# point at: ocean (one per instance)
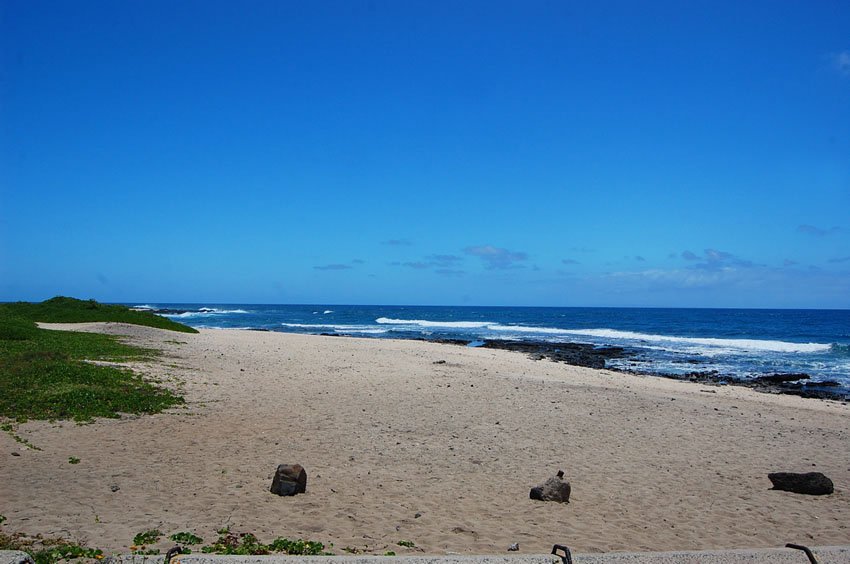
(738, 343)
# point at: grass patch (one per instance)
(45, 374)
(50, 551)
(147, 537)
(71, 310)
(46, 550)
(186, 538)
(10, 429)
(247, 544)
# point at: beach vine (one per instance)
(50, 375)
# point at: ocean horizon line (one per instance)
(143, 303)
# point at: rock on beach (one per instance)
(289, 479)
(809, 483)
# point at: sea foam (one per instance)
(529, 329)
(742, 345)
(336, 327)
(426, 323)
(204, 312)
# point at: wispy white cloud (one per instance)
(443, 264)
(817, 231)
(444, 260)
(679, 277)
(713, 259)
(688, 255)
(495, 257)
(417, 265)
(841, 62)
(757, 286)
(449, 272)
(333, 267)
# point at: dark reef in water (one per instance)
(791, 384)
(166, 311)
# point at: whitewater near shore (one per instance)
(728, 344)
(429, 443)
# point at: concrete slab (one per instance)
(824, 555)
(135, 559)
(14, 557)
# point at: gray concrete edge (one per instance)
(824, 555)
(14, 557)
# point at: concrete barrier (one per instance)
(14, 557)
(824, 555)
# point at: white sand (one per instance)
(386, 434)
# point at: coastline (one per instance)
(578, 354)
(388, 429)
(794, 352)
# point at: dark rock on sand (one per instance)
(289, 479)
(780, 378)
(790, 384)
(553, 489)
(577, 354)
(809, 483)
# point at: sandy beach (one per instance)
(431, 443)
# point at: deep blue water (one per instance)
(735, 342)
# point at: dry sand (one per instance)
(400, 447)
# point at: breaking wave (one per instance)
(431, 324)
(743, 345)
(204, 312)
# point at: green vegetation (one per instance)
(48, 374)
(298, 547)
(186, 538)
(50, 551)
(147, 537)
(73, 460)
(70, 310)
(46, 550)
(247, 544)
(10, 429)
(406, 544)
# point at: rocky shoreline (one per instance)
(590, 356)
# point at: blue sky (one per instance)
(484, 153)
